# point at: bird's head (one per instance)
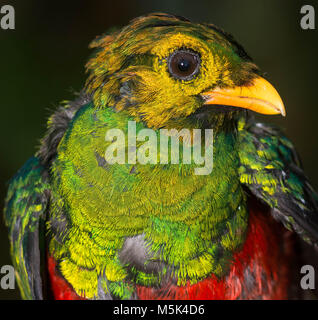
(167, 71)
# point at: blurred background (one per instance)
(42, 63)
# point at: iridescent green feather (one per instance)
(178, 215)
(25, 215)
(270, 168)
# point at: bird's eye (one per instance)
(184, 64)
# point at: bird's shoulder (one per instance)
(272, 171)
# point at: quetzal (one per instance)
(81, 227)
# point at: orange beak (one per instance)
(260, 97)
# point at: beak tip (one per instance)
(281, 108)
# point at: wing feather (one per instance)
(272, 171)
(25, 216)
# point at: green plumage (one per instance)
(180, 214)
(271, 169)
(26, 204)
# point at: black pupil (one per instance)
(184, 64)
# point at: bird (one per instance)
(82, 227)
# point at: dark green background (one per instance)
(42, 63)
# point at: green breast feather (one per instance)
(186, 219)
